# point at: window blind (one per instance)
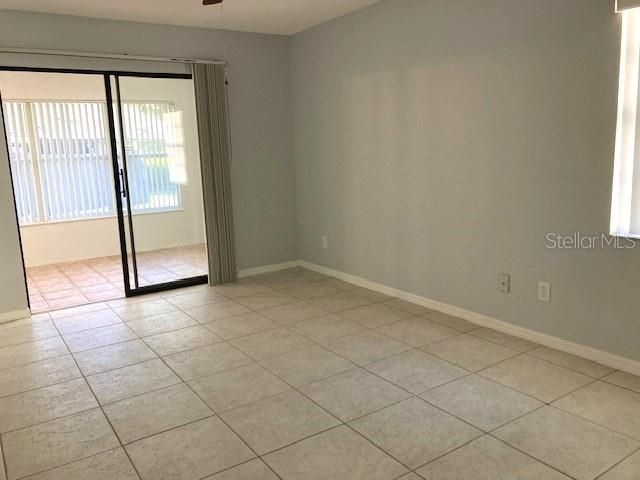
(61, 165)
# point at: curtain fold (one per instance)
(215, 161)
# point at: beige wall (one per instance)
(438, 142)
(68, 241)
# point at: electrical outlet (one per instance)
(504, 282)
(325, 241)
(544, 291)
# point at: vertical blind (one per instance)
(61, 164)
(215, 161)
(18, 139)
(73, 160)
(625, 205)
(147, 140)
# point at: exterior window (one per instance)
(61, 162)
(625, 205)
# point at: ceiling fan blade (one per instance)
(211, 2)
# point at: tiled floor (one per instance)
(297, 376)
(71, 284)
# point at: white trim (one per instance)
(15, 315)
(119, 56)
(247, 272)
(45, 223)
(590, 353)
(605, 358)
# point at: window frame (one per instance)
(625, 192)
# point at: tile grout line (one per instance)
(531, 456)
(324, 347)
(27, 477)
(203, 324)
(113, 430)
(78, 287)
(482, 431)
(364, 367)
(285, 327)
(492, 434)
(448, 413)
(72, 355)
(154, 390)
(33, 362)
(342, 423)
(215, 415)
(479, 373)
(227, 469)
(635, 440)
(3, 457)
(515, 419)
(529, 354)
(614, 466)
(550, 403)
(118, 284)
(415, 396)
(254, 362)
(67, 415)
(160, 432)
(45, 386)
(29, 341)
(459, 447)
(125, 322)
(631, 390)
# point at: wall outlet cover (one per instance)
(544, 291)
(504, 282)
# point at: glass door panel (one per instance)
(62, 176)
(159, 168)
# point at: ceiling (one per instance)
(284, 17)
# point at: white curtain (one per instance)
(625, 206)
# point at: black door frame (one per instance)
(119, 187)
(122, 174)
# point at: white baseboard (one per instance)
(15, 315)
(590, 353)
(267, 268)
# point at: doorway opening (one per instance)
(107, 186)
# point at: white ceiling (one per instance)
(284, 17)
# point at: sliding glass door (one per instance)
(62, 178)
(106, 179)
(158, 167)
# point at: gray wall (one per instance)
(260, 110)
(437, 143)
(13, 296)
